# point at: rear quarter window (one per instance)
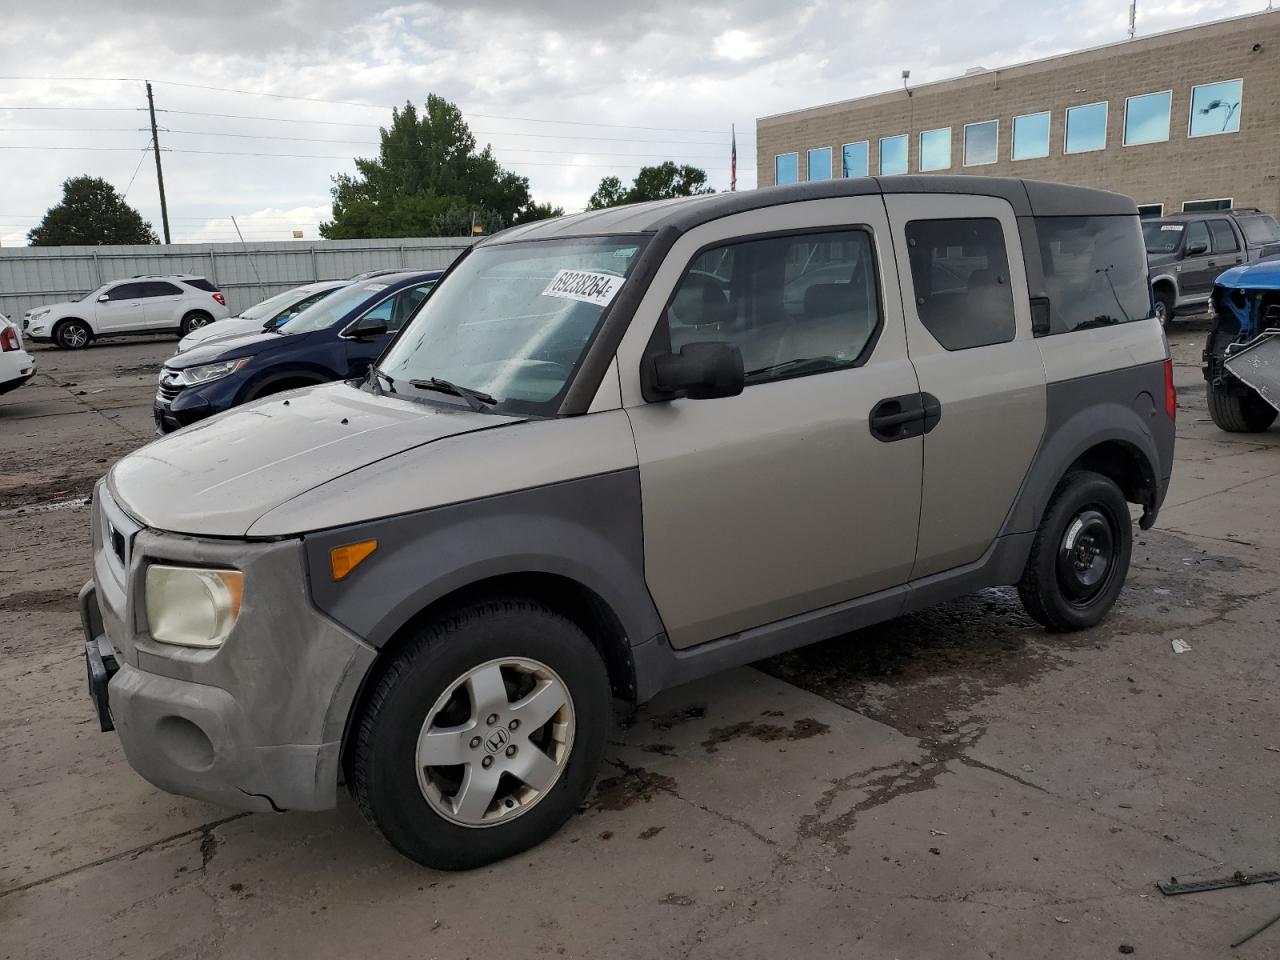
(1261, 229)
(1095, 271)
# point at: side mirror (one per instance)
(1196, 249)
(700, 371)
(103, 298)
(367, 327)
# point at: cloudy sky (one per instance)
(566, 91)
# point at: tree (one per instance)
(428, 180)
(538, 211)
(90, 213)
(661, 182)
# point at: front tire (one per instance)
(72, 335)
(1164, 304)
(194, 321)
(1080, 555)
(482, 735)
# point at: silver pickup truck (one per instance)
(619, 451)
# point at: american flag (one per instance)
(733, 158)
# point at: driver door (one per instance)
(781, 500)
(122, 310)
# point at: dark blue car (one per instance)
(336, 339)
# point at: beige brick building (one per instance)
(1205, 125)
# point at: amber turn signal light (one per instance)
(344, 559)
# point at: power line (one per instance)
(130, 109)
(322, 156)
(6, 146)
(135, 170)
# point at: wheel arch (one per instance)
(290, 378)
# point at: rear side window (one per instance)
(1095, 271)
(200, 283)
(1262, 229)
(793, 305)
(960, 272)
(157, 288)
(1224, 238)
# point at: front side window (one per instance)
(935, 149)
(981, 143)
(1146, 118)
(960, 274)
(893, 155)
(1031, 136)
(126, 291)
(1215, 108)
(855, 159)
(820, 163)
(786, 168)
(514, 320)
(1086, 128)
(398, 307)
(1095, 270)
(792, 305)
(1224, 238)
(1197, 237)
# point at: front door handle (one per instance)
(897, 418)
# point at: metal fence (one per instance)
(245, 273)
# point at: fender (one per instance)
(587, 530)
(297, 371)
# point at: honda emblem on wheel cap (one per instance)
(497, 740)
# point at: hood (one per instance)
(232, 347)
(1259, 275)
(61, 305)
(216, 477)
(232, 326)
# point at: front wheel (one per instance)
(482, 735)
(72, 335)
(1080, 555)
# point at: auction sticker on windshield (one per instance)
(584, 285)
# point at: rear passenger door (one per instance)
(781, 500)
(1225, 247)
(968, 326)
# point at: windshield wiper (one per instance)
(376, 376)
(475, 399)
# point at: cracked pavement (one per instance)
(955, 784)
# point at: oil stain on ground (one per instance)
(764, 732)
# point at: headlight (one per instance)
(192, 607)
(39, 315)
(210, 371)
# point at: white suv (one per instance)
(151, 304)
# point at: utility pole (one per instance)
(155, 144)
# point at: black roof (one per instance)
(1027, 197)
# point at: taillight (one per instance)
(8, 339)
(220, 298)
(1170, 392)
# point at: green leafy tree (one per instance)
(661, 182)
(90, 213)
(539, 211)
(427, 180)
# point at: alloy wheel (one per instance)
(495, 742)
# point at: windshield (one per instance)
(514, 320)
(1262, 229)
(269, 307)
(1162, 237)
(333, 308)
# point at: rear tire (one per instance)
(1238, 412)
(72, 335)
(193, 321)
(1080, 555)
(455, 693)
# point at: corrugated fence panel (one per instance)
(246, 273)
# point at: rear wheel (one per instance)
(1236, 411)
(1080, 556)
(483, 734)
(194, 320)
(72, 335)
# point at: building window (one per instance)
(1151, 211)
(786, 168)
(1199, 206)
(1215, 108)
(820, 163)
(1031, 136)
(855, 159)
(893, 155)
(935, 149)
(981, 143)
(1086, 128)
(1146, 118)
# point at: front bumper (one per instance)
(256, 724)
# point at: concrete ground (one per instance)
(955, 784)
